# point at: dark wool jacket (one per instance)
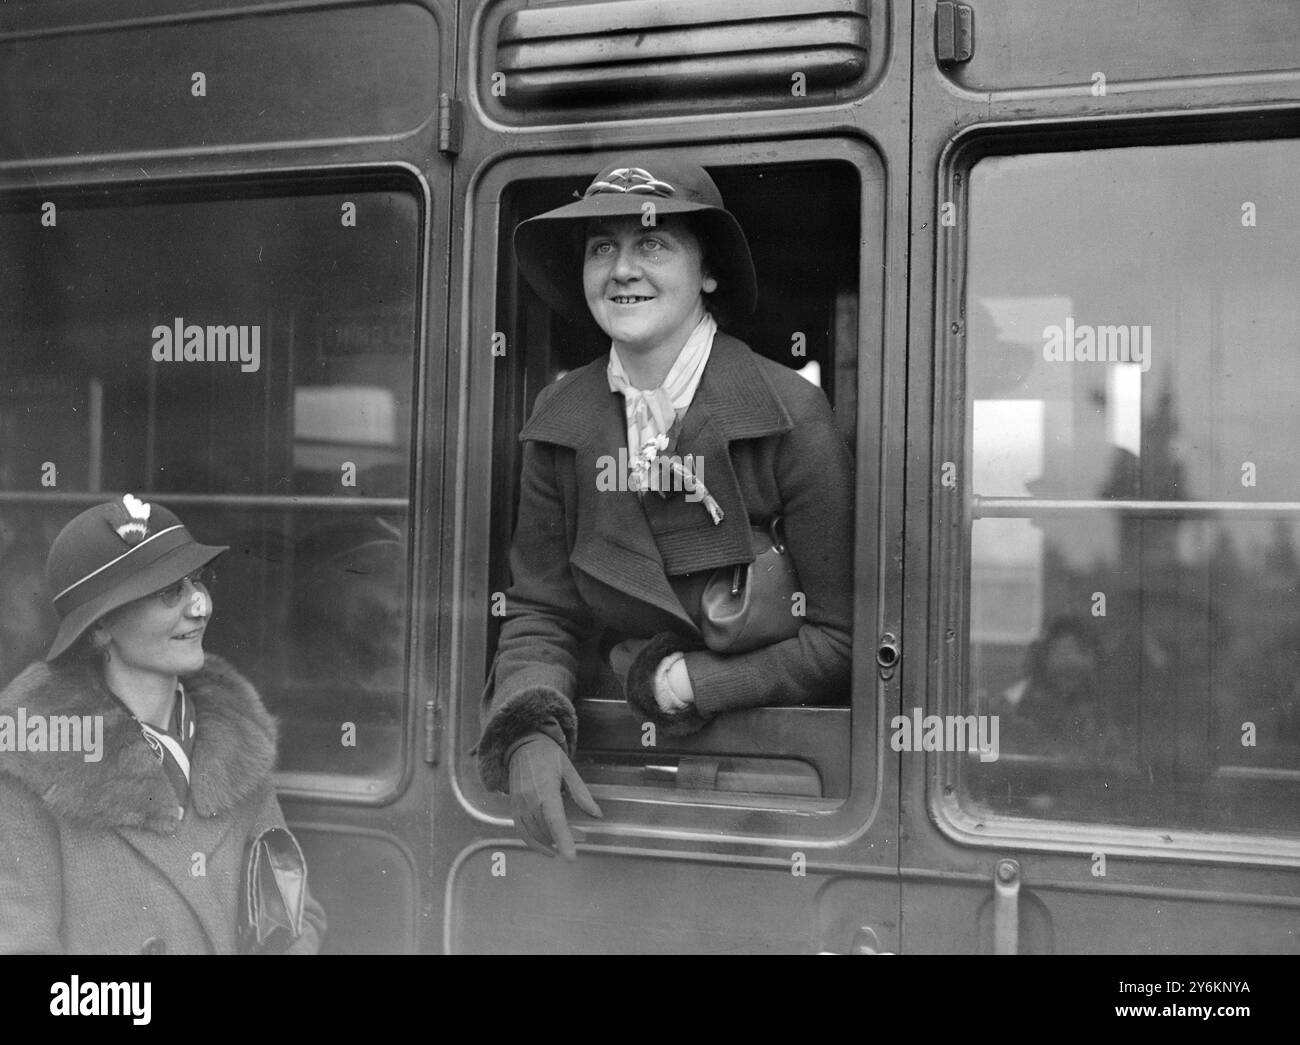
(94, 856)
(585, 561)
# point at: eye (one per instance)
(172, 592)
(599, 247)
(653, 243)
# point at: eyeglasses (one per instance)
(170, 596)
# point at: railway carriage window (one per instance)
(248, 359)
(802, 221)
(1133, 522)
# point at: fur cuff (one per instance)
(639, 686)
(524, 712)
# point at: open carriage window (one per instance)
(1131, 381)
(247, 359)
(803, 222)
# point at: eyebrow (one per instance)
(608, 230)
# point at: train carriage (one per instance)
(255, 264)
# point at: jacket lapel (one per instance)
(614, 543)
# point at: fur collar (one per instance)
(234, 748)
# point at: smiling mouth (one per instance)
(630, 299)
(189, 635)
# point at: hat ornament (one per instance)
(135, 512)
(631, 179)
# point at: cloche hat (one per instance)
(113, 554)
(544, 245)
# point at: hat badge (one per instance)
(132, 516)
(631, 179)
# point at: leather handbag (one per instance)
(275, 891)
(749, 606)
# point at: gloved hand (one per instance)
(539, 768)
(672, 683)
(673, 690)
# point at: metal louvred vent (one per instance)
(616, 51)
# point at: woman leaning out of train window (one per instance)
(651, 479)
(138, 795)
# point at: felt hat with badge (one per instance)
(113, 554)
(549, 255)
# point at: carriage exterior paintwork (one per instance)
(476, 114)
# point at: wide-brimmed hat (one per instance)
(113, 554)
(552, 262)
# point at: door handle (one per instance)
(1006, 907)
(887, 655)
(865, 941)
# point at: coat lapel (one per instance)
(614, 543)
(173, 856)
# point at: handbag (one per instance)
(746, 607)
(275, 890)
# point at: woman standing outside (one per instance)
(144, 845)
(652, 256)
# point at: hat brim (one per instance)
(167, 570)
(544, 250)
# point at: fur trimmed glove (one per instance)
(539, 772)
(652, 671)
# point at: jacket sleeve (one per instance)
(814, 474)
(31, 874)
(313, 915)
(534, 676)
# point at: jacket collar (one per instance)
(234, 748)
(614, 542)
(733, 394)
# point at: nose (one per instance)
(626, 264)
(198, 603)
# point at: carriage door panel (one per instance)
(1099, 748)
(774, 829)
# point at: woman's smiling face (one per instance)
(149, 635)
(644, 285)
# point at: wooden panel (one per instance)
(957, 918)
(292, 77)
(1055, 43)
(615, 904)
(367, 884)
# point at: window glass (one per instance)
(249, 363)
(1134, 614)
(807, 263)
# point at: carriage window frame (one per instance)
(951, 533)
(712, 814)
(366, 788)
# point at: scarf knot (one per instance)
(652, 412)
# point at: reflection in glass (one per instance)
(312, 601)
(1134, 584)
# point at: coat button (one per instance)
(154, 945)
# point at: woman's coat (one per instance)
(585, 560)
(97, 858)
